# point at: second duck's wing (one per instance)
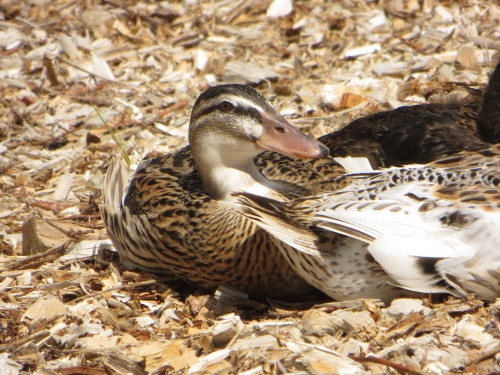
(432, 228)
(340, 266)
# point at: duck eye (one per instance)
(226, 106)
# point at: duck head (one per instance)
(229, 126)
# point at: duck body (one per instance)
(176, 214)
(411, 134)
(166, 223)
(422, 133)
(489, 116)
(432, 228)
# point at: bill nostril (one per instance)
(279, 129)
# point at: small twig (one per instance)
(412, 45)
(29, 23)
(174, 107)
(84, 90)
(37, 259)
(8, 52)
(49, 206)
(133, 285)
(42, 142)
(485, 355)
(74, 95)
(68, 232)
(24, 340)
(119, 6)
(93, 74)
(381, 361)
(92, 101)
(370, 358)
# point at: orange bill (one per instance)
(281, 136)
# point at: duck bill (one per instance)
(281, 136)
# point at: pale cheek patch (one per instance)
(221, 145)
(255, 131)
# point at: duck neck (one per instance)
(228, 169)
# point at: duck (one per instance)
(176, 214)
(422, 133)
(431, 228)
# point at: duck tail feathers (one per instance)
(114, 187)
(479, 275)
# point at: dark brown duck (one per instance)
(421, 133)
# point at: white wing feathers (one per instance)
(403, 238)
(354, 165)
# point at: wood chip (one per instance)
(466, 57)
(44, 310)
(246, 73)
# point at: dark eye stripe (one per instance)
(238, 110)
(249, 112)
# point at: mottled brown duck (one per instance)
(422, 133)
(176, 215)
